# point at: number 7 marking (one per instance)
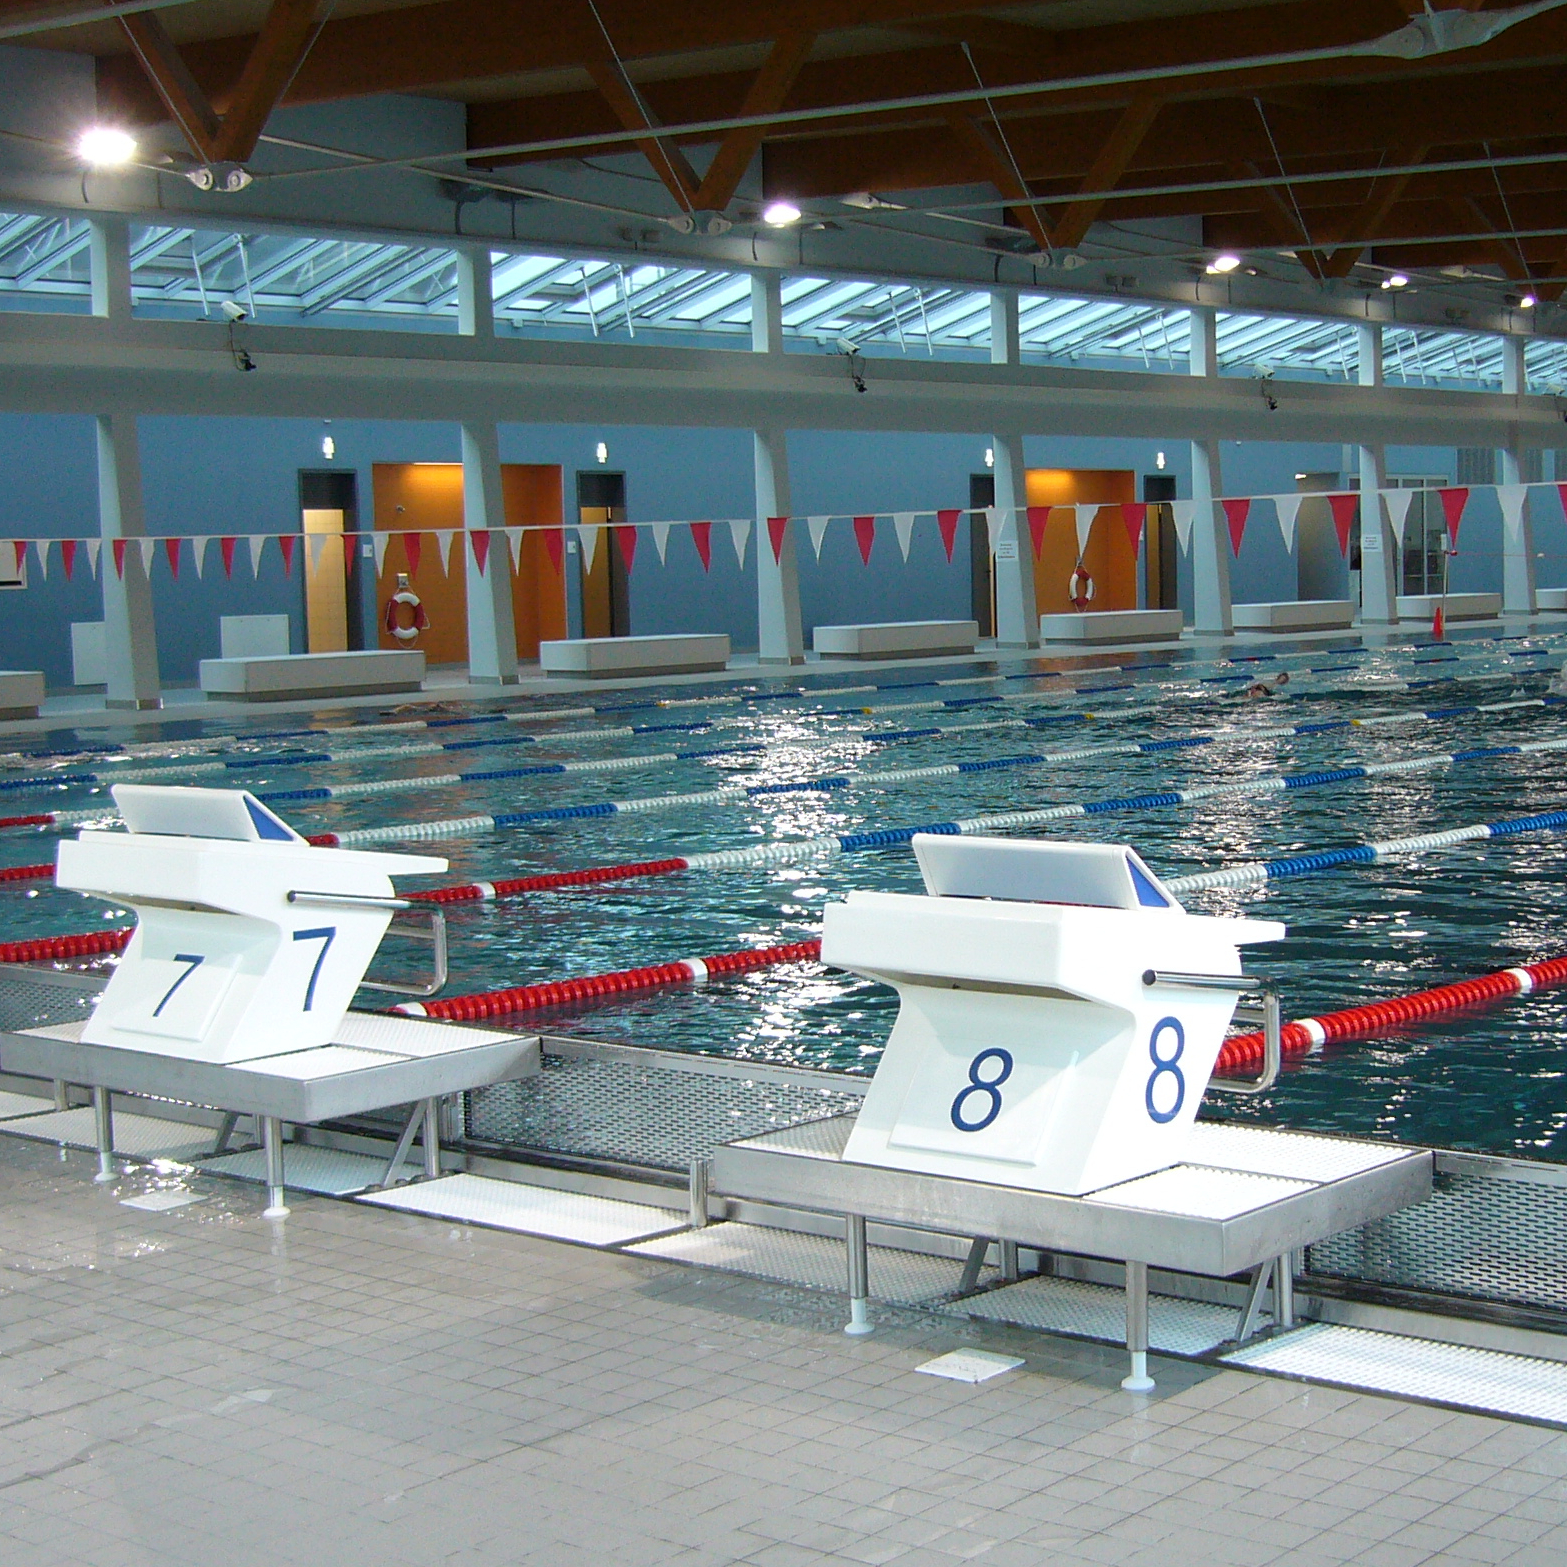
(195, 961)
(325, 934)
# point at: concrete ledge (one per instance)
(275, 678)
(1301, 615)
(21, 692)
(1112, 625)
(599, 658)
(897, 639)
(1550, 598)
(1456, 606)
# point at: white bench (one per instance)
(1112, 625)
(1455, 606)
(1302, 615)
(599, 658)
(1550, 598)
(278, 678)
(21, 690)
(897, 639)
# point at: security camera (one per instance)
(847, 345)
(235, 313)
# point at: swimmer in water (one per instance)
(1261, 689)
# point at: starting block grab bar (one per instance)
(435, 935)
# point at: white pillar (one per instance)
(492, 636)
(780, 634)
(110, 265)
(129, 636)
(1518, 551)
(1017, 614)
(1380, 568)
(1005, 342)
(1210, 538)
(475, 293)
(767, 314)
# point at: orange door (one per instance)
(1109, 559)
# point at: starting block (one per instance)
(249, 942)
(1060, 1014)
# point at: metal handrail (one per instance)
(436, 935)
(1266, 1010)
(1235, 982)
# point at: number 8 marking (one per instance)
(1165, 1066)
(982, 1085)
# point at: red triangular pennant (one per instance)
(626, 537)
(702, 537)
(865, 537)
(171, 548)
(1561, 490)
(1453, 502)
(411, 548)
(777, 531)
(1236, 512)
(555, 546)
(118, 546)
(286, 543)
(1135, 515)
(481, 548)
(1344, 508)
(350, 549)
(226, 550)
(1038, 519)
(947, 522)
(68, 556)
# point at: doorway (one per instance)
(329, 506)
(605, 585)
(1161, 584)
(982, 569)
(1423, 562)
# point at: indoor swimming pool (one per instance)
(825, 760)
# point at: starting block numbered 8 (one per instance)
(249, 942)
(1060, 1013)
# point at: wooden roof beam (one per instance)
(994, 164)
(1113, 160)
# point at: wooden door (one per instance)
(1109, 559)
(326, 585)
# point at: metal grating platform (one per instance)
(897, 1278)
(140, 1136)
(1098, 1311)
(12, 1105)
(1479, 1379)
(329, 1171)
(532, 1210)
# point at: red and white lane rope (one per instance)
(1381, 1017)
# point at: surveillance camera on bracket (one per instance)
(847, 345)
(235, 313)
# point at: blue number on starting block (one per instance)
(1165, 1066)
(989, 1086)
(195, 961)
(324, 934)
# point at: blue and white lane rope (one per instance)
(877, 838)
(729, 794)
(1252, 873)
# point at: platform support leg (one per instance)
(62, 1094)
(225, 1131)
(859, 1322)
(1284, 1291)
(1009, 1270)
(1137, 1328)
(432, 1138)
(701, 1174)
(977, 1251)
(103, 1119)
(272, 1142)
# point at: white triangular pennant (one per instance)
(1084, 513)
(816, 527)
(41, 550)
(740, 533)
(995, 520)
(315, 543)
(661, 540)
(443, 545)
(1512, 498)
(198, 550)
(1288, 508)
(588, 534)
(93, 548)
(1397, 503)
(149, 548)
(514, 544)
(903, 526)
(257, 543)
(379, 542)
(1184, 514)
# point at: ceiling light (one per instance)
(1224, 263)
(1395, 280)
(1527, 302)
(105, 146)
(780, 214)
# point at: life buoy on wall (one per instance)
(1080, 587)
(405, 628)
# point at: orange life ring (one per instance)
(1080, 587)
(406, 631)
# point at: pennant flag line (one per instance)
(171, 548)
(1084, 514)
(777, 532)
(903, 527)
(1512, 498)
(1236, 511)
(257, 542)
(702, 537)
(286, 543)
(94, 546)
(626, 538)
(816, 527)
(1184, 514)
(68, 556)
(41, 550)
(1344, 508)
(740, 533)
(995, 520)
(1038, 521)
(865, 537)
(1287, 509)
(1454, 500)
(947, 525)
(413, 549)
(378, 543)
(588, 537)
(118, 547)
(147, 548)
(479, 543)
(1397, 503)
(661, 541)
(445, 538)
(1134, 514)
(198, 551)
(554, 547)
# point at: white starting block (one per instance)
(1060, 1014)
(248, 943)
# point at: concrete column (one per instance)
(475, 293)
(492, 636)
(1518, 596)
(781, 636)
(1005, 342)
(1380, 566)
(767, 315)
(1017, 614)
(110, 262)
(130, 638)
(1210, 538)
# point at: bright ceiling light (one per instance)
(1527, 302)
(105, 146)
(1224, 263)
(780, 214)
(1395, 280)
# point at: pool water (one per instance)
(1495, 1080)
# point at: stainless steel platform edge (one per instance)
(704, 1065)
(1217, 1247)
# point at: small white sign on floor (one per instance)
(969, 1365)
(161, 1202)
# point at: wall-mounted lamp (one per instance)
(601, 452)
(1158, 461)
(990, 457)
